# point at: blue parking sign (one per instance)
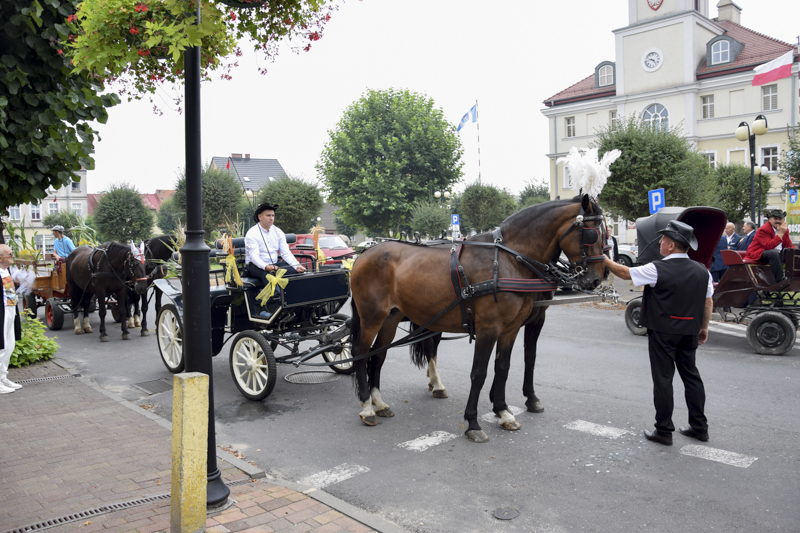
(656, 200)
(454, 219)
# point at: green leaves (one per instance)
(34, 345)
(121, 216)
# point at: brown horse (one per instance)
(394, 281)
(107, 269)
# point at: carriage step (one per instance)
(155, 386)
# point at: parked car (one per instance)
(360, 247)
(627, 254)
(334, 247)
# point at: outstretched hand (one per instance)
(702, 337)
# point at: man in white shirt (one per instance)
(8, 319)
(264, 243)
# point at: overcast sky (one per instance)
(509, 55)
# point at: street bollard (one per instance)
(189, 443)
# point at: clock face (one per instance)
(652, 59)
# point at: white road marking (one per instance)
(737, 330)
(342, 472)
(596, 429)
(513, 409)
(427, 441)
(720, 456)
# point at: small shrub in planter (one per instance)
(34, 346)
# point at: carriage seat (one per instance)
(736, 257)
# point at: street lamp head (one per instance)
(760, 126)
(764, 171)
(437, 194)
(447, 194)
(757, 170)
(743, 132)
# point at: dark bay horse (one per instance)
(394, 281)
(156, 251)
(107, 269)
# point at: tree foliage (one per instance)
(221, 197)
(652, 158)
(732, 191)
(45, 110)
(789, 168)
(485, 206)
(534, 193)
(121, 216)
(62, 218)
(391, 148)
(299, 203)
(429, 217)
(342, 228)
(169, 215)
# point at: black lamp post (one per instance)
(195, 285)
(745, 133)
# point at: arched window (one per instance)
(606, 76)
(657, 116)
(720, 52)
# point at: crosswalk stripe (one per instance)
(720, 456)
(424, 442)
(513, 409)
(338, 474)
(596, 429)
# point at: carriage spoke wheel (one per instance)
(253, 365)
(169, 335)
(332, 357)
(53, 314)
(771, 333)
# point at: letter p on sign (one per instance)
(656, 200)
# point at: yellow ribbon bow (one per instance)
(272, 281)
(230, 261)
(316, 231)
(348, 263)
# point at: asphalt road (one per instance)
(582, 465)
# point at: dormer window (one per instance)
(604, 74)
(720, 52)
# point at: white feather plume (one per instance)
(588, 173)
(26, 279)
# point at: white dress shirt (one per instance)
(262, 247)
(648, 274)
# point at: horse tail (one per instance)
(423, 351)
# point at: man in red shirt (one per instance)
(769, 242)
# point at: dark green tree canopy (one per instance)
(45, 109)
(121, 216)
(789, 168)
(485, 206)
(732, 191)
(169, 215)
(429, 217)
(390, 149)
(652, 158)
(534, 193)
(299, 203)
(222, 197)
(62, 218)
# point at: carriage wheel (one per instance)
(115, 314)
(92, 305)
(169, 335)
(253, 365)
(771, 333)
(53, 314)
(346, 353)
(30, 303)
(633, 317)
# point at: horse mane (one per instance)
(115, 250)
(160, 247)
(535, 212)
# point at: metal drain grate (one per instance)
(155, 386)
(74, 517)
(49, 378)
(312, 377)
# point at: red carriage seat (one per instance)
(736, 257)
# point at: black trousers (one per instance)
(256, 272)
(668, 352)
(775, 260)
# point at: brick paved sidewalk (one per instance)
(71, 450)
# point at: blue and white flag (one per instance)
(466, 118)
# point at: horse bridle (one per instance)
(588, 237)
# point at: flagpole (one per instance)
(478, 129)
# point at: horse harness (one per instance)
(127, 266)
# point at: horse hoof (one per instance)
(440, 394)
(369, 420)
(477, 435)
(430, 386)
(534, 406)
(511, 426)
(145, 333)
(87, 330)
(126, 336)
(104, 338)
(78, 332)
(386, 413)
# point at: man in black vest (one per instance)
(676, 310)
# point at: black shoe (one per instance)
(661, 437)
(691, 432)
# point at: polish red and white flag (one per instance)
(774, 70)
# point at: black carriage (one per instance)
(771, 309)
(306, 310)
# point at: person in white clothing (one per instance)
(9, 319)
(266, 249)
